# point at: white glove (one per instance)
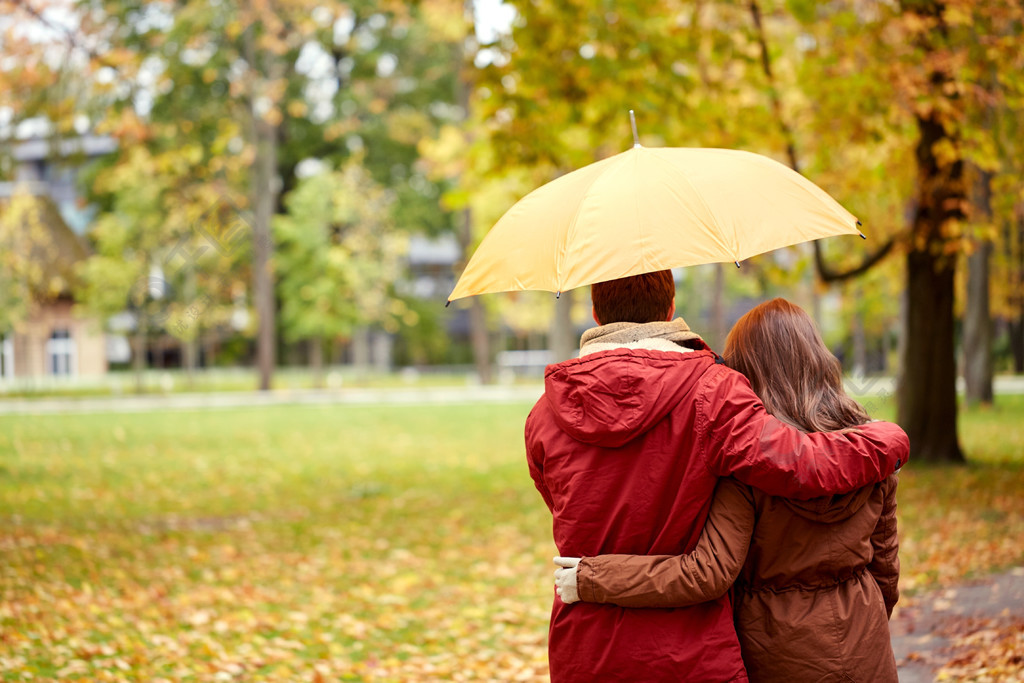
(565, 579)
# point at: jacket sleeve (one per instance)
(678, 580)
(535, 460)
(737, 437)
(885, 565)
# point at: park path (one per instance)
(394, 396)
(241, 399)
(926, 627)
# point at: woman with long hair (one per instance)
(815, 581)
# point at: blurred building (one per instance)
(52, 341)
(430, 277)
(432, 266)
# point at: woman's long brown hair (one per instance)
(778, 348)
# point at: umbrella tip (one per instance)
(737, 263)
(558, 295)
(448, 303)
(862, 235)
(632, 124)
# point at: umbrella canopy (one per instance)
(650, 209)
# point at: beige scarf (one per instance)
(659, 336)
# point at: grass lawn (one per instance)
(352, 543)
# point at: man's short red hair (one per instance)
(643, 298)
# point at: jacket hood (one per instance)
(831, 509)
(611, 397)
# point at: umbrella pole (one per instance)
(632, 124)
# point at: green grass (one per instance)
(957, 522)
(369, 542)
(345, 543)
(988, 434)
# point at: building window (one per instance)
(60, 353)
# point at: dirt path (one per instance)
(972, 631)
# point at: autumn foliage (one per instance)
(366, 543)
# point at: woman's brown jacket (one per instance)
(815, 581)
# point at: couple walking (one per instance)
(734, 518)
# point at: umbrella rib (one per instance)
(639, 223)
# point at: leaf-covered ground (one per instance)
(344, 543)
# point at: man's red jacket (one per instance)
(626, 446)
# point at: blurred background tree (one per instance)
(813, 82)
(337, 259)
(274, 159)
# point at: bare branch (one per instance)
(828, 274)
(825, 272)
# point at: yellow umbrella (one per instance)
(650, 209)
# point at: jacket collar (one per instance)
(656, 336)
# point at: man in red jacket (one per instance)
(626, 446)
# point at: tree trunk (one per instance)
(189, 345)
(479, 336)
(139, 355)
(901, 336)
(563, 333)
(210, 351)
(316, 361)
(189, 358)
(1017, 344)
(717, 340)
(480, 340)
(927, 392)
(816, 311)
(1013, 244)
(361, 350)
(810, 281)
(381, 351)
(859, 341)
(336, 355)
(263, 285)
(926, 403)
(978, 326)
(978, 366)
(265, 188)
